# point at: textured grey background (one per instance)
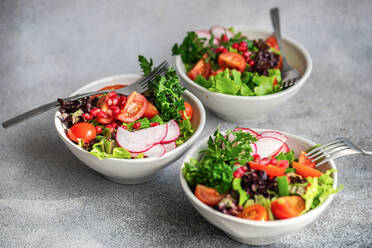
(50, 48)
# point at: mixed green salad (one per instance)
(227, 62)
(256, 176)
(135, 126)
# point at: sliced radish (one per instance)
(170, 146)
(218, 31)
(229, 34)
(283, 149)
(173, 132)
(155, 151)
(275, 135)
(203, 34)
(247, 130)
(254, 148)
(267, 146)
(142, 140)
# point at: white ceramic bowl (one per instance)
(131, 171)
(247, 109)
(255, 232)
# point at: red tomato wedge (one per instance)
(82, 130)
(255, 212)
(187, 111)
(208, 195)
(200, 68)
(271, 41)
(286, 207)
(150, 111)
(232, 60)
(306, 171)
(302, 160)
(134, 108)
(271, 170)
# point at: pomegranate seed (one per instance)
(247, 54)
(273, 161)
(137, 125)
(154, 124)
(110, 127)
(115, 101)
(220, 49)
(102, 114)
(114, 125)
(109, 112)
(242, 48)
(235, 45)
(87, 116)
(123, 100)
(225, 38)
(94, 111)
(251, 63)
(115, 110)
(237, 174)
(243, 43)
(125, 127)
(224, 50)
(264, 161)
(244, 168)
(256, 157)
(112, 94)
(98, 129)
(248, 59)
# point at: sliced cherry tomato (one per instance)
(306, 171)
(187, 111)
(134, 108)
(255, 212)
(302, 160)
(232, 60)
(271, 170)
(102, 104)
(271, 41)
(200, 68)
(208, 195)
(275, 82)
(286, 207)
(82, 130)
(110, 87)
(150, 111)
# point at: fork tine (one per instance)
(321, 147)
(327, 149)
(152, 77)
(330, 154)
(334, 156)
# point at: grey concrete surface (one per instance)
(50, 48)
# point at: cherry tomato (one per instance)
(200, 68)
(150, 111)
(104, 118)
(110, 87)
(271, 170)
(82, 130)
(286, 207)
(306, 171)
(255, 212)
(208, 195)
(187, 111)
(271, 41)
(302, 160)
(232, 60)
(134, 108)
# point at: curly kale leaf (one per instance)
(192, 48)
(146, 65)
(167, 91)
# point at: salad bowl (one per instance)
(250, 231)
(248, 109)
(131, 171)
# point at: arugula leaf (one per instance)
(167, 92)
(146, 65)
(215, 169)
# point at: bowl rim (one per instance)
(274, 223)
(300, 82)
(116, 78)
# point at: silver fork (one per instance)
(139, 86)
(337, 148)
(289, 73)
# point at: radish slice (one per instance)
(218, 31)
(275, 135)
(229, 34)
(247, 130)
(203, 34)
(142, 140)
(173, 132)
(170, 146)
(254, 148)
(155, 151)
(283, 149)
(267, 146)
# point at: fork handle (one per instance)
(29, 114)
(274, 14)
